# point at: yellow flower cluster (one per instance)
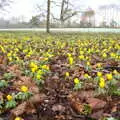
(45, 67)
(39, 74)
(102, 83)
(33, 67)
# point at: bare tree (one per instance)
(66, 11)
(48, 16)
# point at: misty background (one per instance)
(77, 14)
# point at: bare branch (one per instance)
(4, 3)
(68, 17)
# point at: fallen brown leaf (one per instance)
(96, 103)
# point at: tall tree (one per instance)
(48, 16)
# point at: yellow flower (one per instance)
(45, 59)
(67, 74)
(9, 97)
(104, 55)
(85, 49)
(87, 58)
(115, 72)
(18, 118)
(88, 63)
(99, 65)
(102, 79)
(86, 75)
(24, 88)
(33, 67)
(49, 55)
(10, 58)
(32, 64)
(102, 83)
(25, 51)
(81, 57)
(81, 52)
(9, 54)
(14, 54)
(112, 54)
(38, 76)
(76, 81)
(16, 49)
(109, 76)
(99, 74)
(69, 55)
(46, 67)
(89, 50)
(2, 48)
(70, 60)
(29, 54)
(40, 72)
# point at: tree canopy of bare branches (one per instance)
(4, 3)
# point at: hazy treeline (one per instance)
(68, 17)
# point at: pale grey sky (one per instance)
(27, 8)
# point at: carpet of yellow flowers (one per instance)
(59, 76)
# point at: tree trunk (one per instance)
(62, 13)
(48, 17)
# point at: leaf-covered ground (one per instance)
(59, 76)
